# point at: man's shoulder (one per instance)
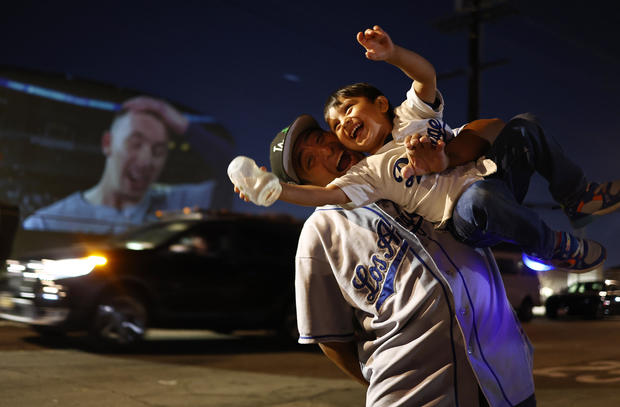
(55, 215)
(65, 205)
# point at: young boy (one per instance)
(478, 202)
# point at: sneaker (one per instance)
(575, 255)
(597, 200)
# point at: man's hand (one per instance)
(424, 156)
(171, 117)
(378, 44)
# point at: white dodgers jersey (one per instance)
(429, 314)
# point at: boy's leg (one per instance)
(490, 210)
(488, 213)
(523, 147)
(524, 136)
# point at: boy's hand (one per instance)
(241, 194)
(424, 156)
(378, 44)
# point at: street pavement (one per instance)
(68, 378)
(576, 364)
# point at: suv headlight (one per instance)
(64, 268)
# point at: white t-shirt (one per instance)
(75, 214)
(429, 315)
(379, 176)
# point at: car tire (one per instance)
(119, 322)
(288, 326)
(525, 311)
(48, 331)
(598, 312)
(551, 311)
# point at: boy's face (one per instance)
(360, 124)
(318, 157)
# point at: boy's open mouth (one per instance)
(344, 162)
(355, 131)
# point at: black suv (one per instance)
(589, 299)
(210, 271)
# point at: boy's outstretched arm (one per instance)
(312, 195)
(379, 47)
(306, 195)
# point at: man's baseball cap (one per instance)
(281, 149)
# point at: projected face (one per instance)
(136, 153)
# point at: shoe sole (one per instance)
(586, 220)
(596, 265)
(581, 271)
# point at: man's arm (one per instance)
(379, 47)
(344, 355)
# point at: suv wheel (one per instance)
(288, 327)
(119, 321)
(551, 311)
(48, 331)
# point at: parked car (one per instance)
(591, 299)
(210, 271)
(521, 282)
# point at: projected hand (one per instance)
(171, 116)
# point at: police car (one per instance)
(203, 270)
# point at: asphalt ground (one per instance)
(577, 363)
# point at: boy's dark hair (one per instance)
(360, 89)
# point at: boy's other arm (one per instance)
(344, 355)
(379, 47)
(473, 141)
(312, 195)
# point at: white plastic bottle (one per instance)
(261, 187)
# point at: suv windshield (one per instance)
(151, 236)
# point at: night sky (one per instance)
(255, 66)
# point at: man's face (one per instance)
(136, 153)
(318, 157)
(360, 124)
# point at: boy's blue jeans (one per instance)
(490, 210)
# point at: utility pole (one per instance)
(469, 15)
(473, 106)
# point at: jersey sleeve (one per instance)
(414, 108)
(323, 315)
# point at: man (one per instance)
(418, 317)
(136, 149)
